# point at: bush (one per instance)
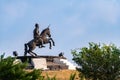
(11, 71)
(98, 62)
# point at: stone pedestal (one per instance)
(47, 62)
(39, 63)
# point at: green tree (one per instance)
(98, 62)
(9, 70)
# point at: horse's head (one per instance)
(45, 32)
(48, 31)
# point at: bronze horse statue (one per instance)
(31, 45)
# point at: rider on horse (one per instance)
(36, 35)
(39, 40)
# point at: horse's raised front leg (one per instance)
(52, 41)
(50, 44)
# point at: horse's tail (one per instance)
(26, 49)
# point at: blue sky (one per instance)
(74, 23)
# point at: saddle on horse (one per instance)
(39, 41)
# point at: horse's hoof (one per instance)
(50, 48)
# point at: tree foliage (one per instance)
(98, 62)
(16, 71)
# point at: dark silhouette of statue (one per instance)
(61, 54)
(36, 35)
(43, 38)
(15, 53)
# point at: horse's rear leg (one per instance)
(32, 53)
(26, 51)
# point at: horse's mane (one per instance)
(43, 31)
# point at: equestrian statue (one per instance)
(39, 39)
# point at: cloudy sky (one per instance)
(74, 23)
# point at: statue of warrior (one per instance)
(36, 35)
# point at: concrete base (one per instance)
(39, 63)
(47, 62)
